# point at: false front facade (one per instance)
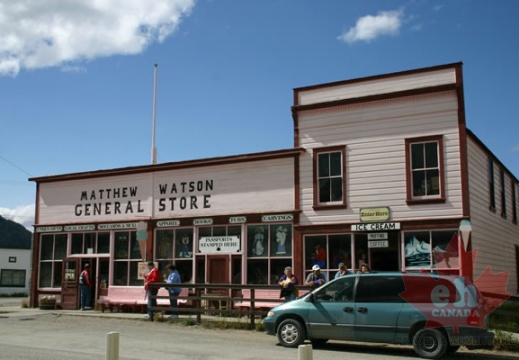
(383, 172)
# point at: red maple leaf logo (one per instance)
(453, 300)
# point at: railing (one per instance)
(202, 296)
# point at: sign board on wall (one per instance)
(219, 244)
(377, 236)
(142, 269)
(171, 194)
(375, 227)
(378, 244)
(70, 274)
(374, 214)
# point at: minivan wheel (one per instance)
(291, 333)
(430, 343)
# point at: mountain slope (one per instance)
(14, 235)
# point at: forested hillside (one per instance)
(14, 235)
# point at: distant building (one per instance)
(383, 171)
(15, 266)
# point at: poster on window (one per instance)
(281, 239)
(417, 251)
(257, 240)
(184, 243)
(445, 249)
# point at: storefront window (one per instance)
(327, 251)
(127, 257)
(445, 249)
(184, 243)
(103, 243)
(315, 252)
(417, 250)
(121, 273)
(90, 243)
(275, 240)
(175, 246)
(431, 249)
(269, 249)
(257, 240)
(339, 250)
(53, 250)
(258, 272)
(46, 274)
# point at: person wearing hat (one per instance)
(315, 278)
(342, 270)
(85, 287)
(152, 277)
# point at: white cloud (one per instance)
(370, 27)
(22, 215)
(38, 34)
(515, 148)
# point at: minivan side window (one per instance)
(380, 289)
(340, 290)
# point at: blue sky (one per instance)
(76, 82)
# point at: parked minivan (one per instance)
(434, 313)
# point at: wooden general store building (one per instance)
(383, 170)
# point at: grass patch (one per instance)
(24, 304)
(189, 321)
(225, 325)
(505, 341)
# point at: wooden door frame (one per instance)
(70, 283)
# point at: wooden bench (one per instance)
(264, 300)
(121, 298)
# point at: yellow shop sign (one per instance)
(374, 214)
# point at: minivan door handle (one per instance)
(362, 310)
(348, 309)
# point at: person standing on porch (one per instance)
(287, 281)
(85, 286)
(152, 277)
(173, 278)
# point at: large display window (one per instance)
(53, 249)
(127, 256)
(269, 250)
(327, 251)
(90, 243)
(431, 250)
(175, 246)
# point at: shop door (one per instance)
(218, 273)
(70, 284)
(385, 257)
(218, 269)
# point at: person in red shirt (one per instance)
(85, 287)
(152, 277)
